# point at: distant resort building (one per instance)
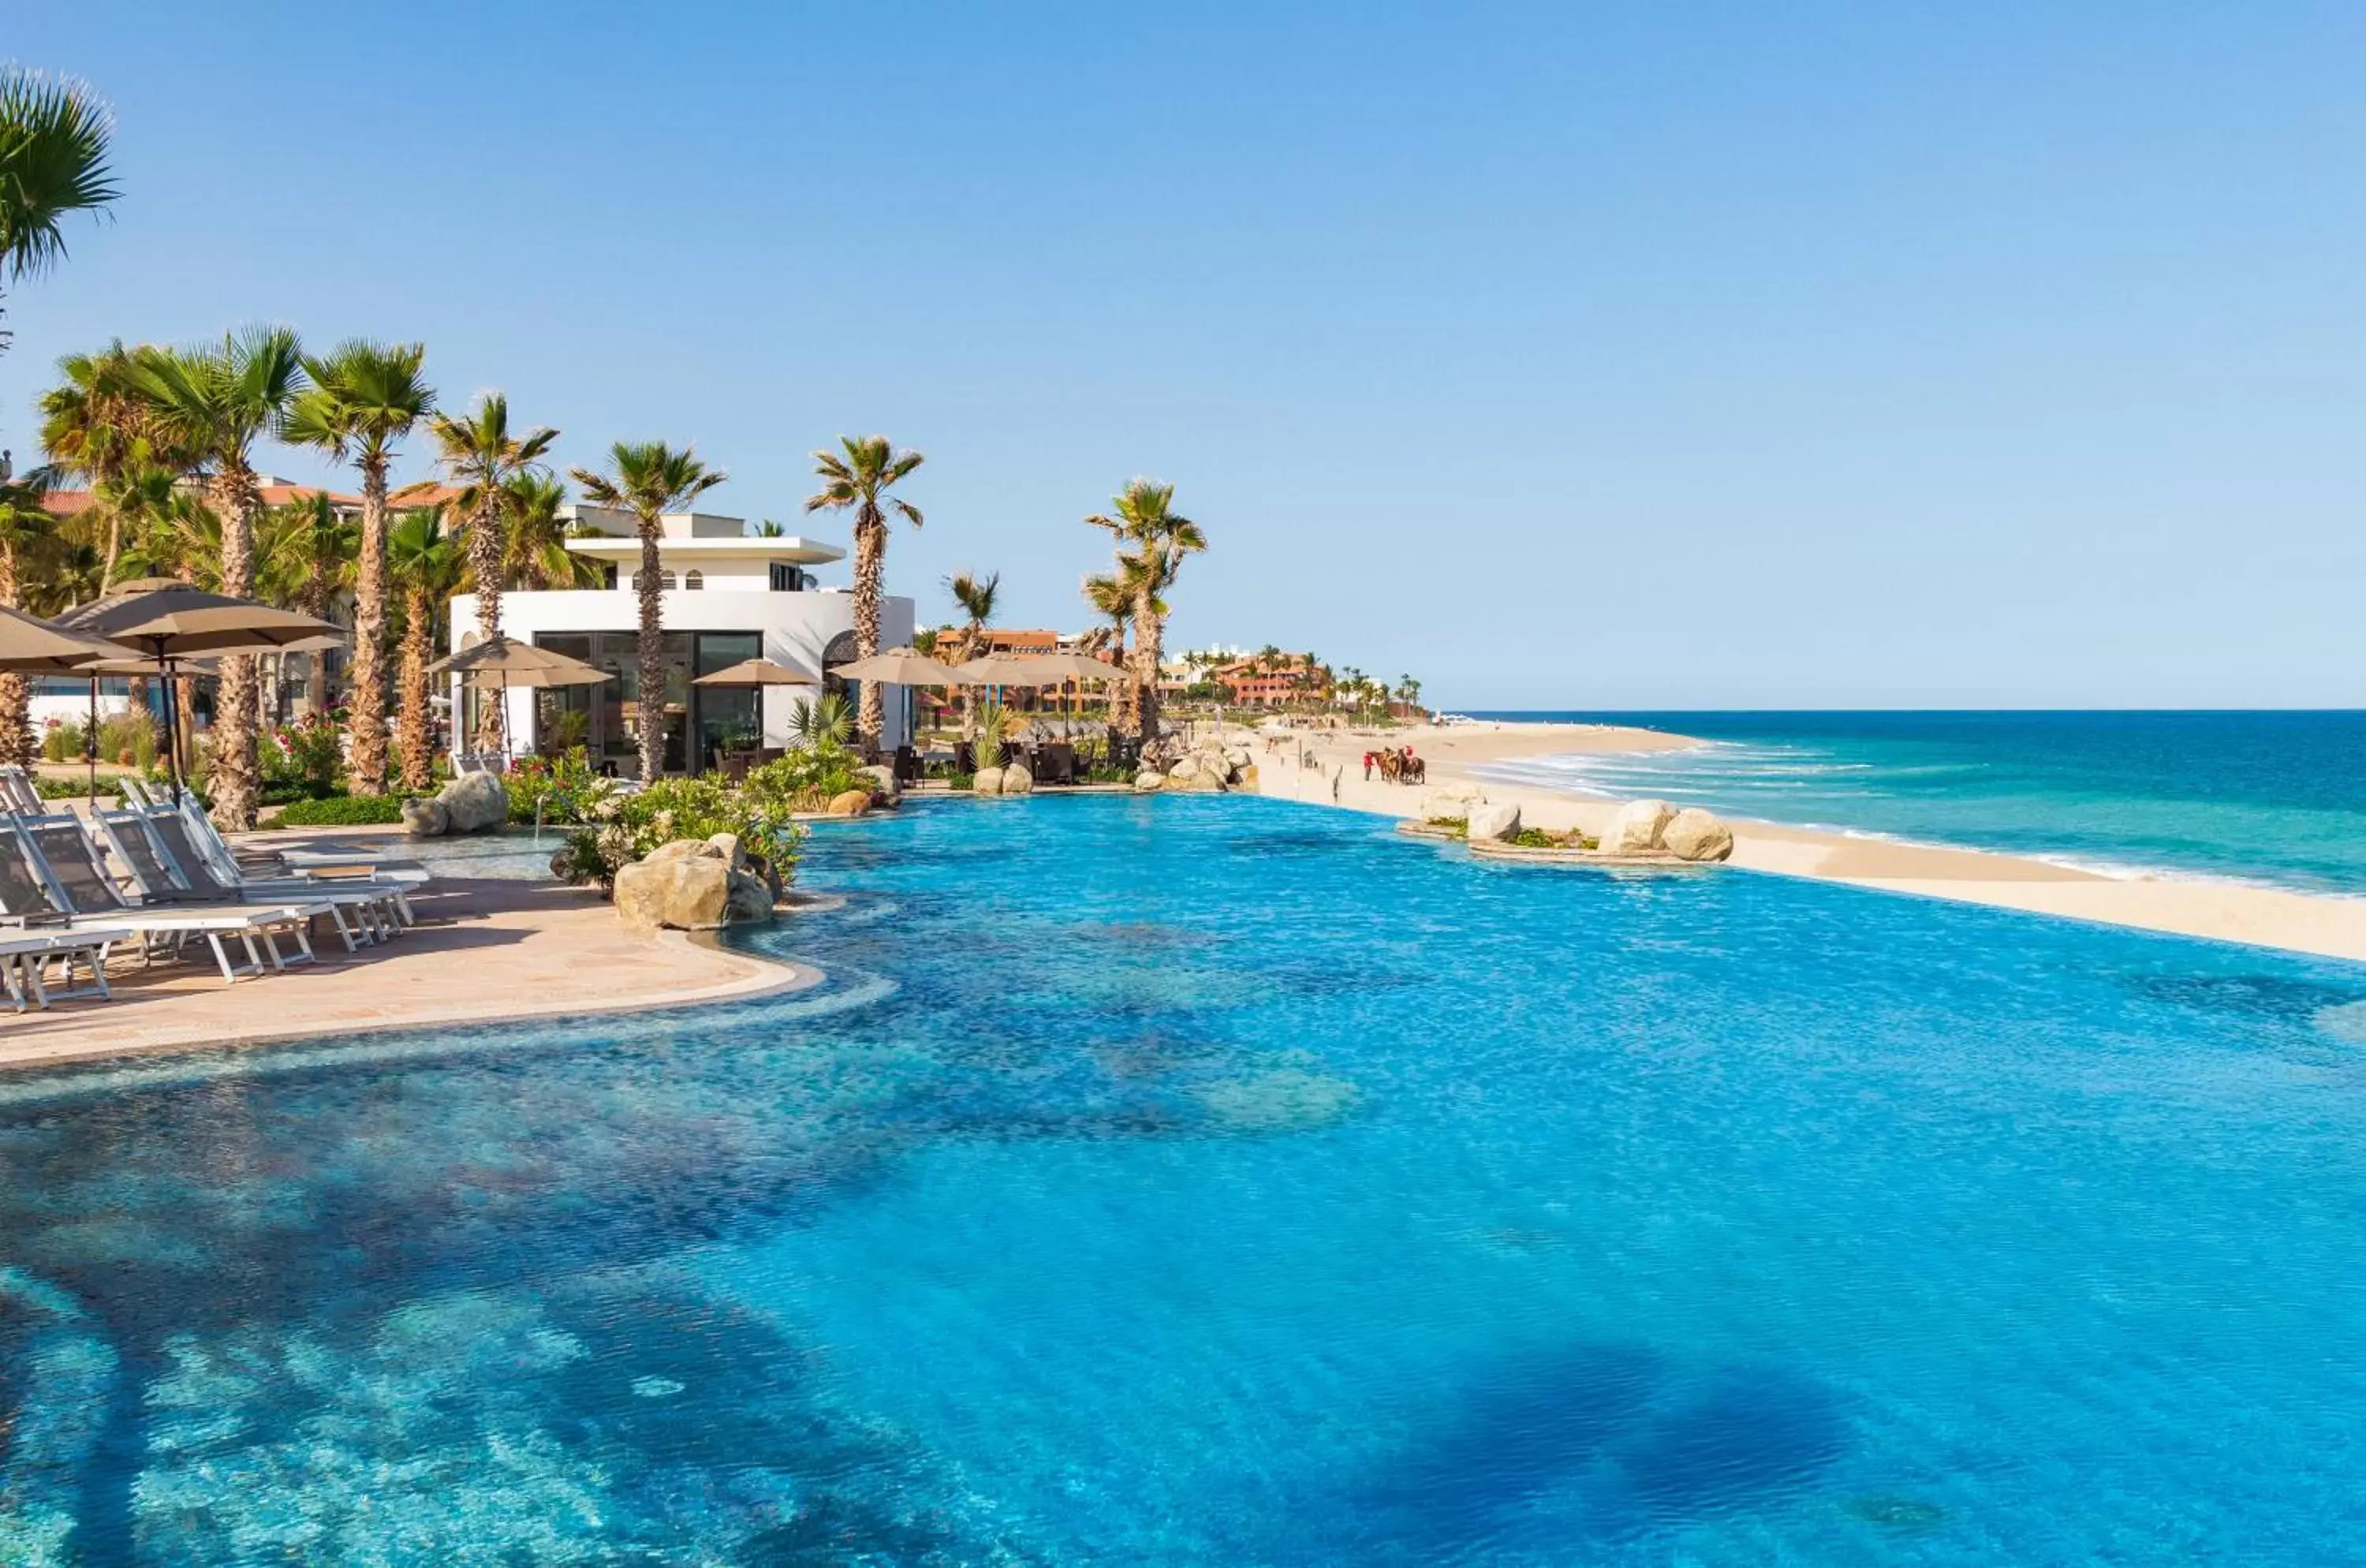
(729, 597)
(1252, 684)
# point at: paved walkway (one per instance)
(483, 950)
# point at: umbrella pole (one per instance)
(90, 746)
(172, 724)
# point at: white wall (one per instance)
(795, 628)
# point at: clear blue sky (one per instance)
(1599, 355)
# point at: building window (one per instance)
(787, 578)
(693, 579)
(608, 575)
(665, 581)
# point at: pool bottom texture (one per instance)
(1217, 1180)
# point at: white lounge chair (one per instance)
(167, 870)
(73, 894)
(24, 960)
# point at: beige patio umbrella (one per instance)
(171, 621)
(30, 645)
(898, 666)
(757, 672)
(498, 663)
(1037, 670)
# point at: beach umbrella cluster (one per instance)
(174, 624)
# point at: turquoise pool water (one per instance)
(1225, 1181)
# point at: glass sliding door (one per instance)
(728, 717)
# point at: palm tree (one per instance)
(648, 480)
(1154, 539)
(975, 595)
(215, 402)
(534, 546)
(365, 397)
(54, 147)
(482, 457)
(1113, 595)
(26, 527)
(861, 479)
(426, 567)
(95, 425)
(312, 553)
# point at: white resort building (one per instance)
(729, 595)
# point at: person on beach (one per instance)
(1369, 757)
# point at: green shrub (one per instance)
(806, 778)
(960, 781)
(620, 828)
(1458, 826)
(1535, 839)
(72, 788)
(342, 810)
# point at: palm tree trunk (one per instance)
(114, 550)
(652, 652)
(236, 768)
(485, 559)
(1147, 644)
(17, 747)
(418, 756)
(365, 767)
(870, 577)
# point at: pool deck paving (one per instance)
(485, 950)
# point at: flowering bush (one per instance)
(303, 759)
(561, 789)
(618, 828)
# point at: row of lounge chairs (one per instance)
(172, 880)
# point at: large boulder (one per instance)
(1017, 780)
(1636, 828)
(474, 803)
(1452, 800)
(728, 845)
(1694, 834)
(883, 782)
(1150, 780)
(1499, 820)
(686, 892)
(987, 781)
(425, 818)
(1185, 768)
(750, 897)
(1199, 780)
(852, 803)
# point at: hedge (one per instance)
(342, 811)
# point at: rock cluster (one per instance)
(693, 885)
(473, 803)
(1646, 827)
(1012, 780)
(1207, 769)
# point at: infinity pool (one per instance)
(1223, 1181)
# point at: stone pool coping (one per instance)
(487, 950)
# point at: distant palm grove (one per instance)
(163, 444)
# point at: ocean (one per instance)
(2276, 796)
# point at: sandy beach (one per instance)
(2226, 912)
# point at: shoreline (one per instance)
(2325, 925)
